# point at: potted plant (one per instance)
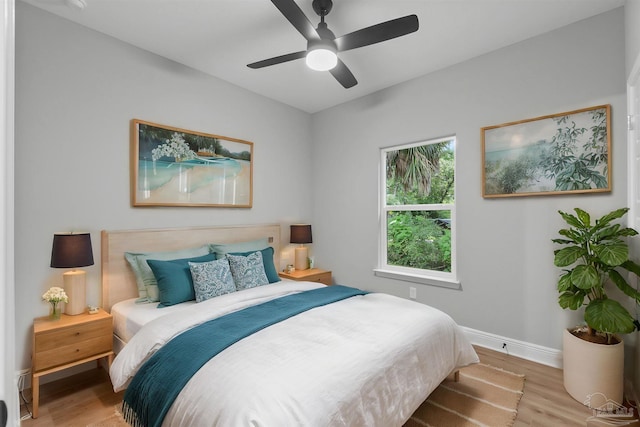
(594, 255)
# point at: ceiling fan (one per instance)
(322, 44)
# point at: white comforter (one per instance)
(365, 361)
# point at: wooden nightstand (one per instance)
(310, 275)
(70, 341)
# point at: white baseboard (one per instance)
(536, 353)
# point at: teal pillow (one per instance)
(247, 271)
(211, 279)
(146, 281)
(267, 261)
(175, 283)
(250, 246)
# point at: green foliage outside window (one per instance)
(417, 240)
(420, 175)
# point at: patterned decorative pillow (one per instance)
(211, 279)
(267, 261)
(247, 271)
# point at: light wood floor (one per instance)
(87, 397)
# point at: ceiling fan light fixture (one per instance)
(322, 58)
(322, 44)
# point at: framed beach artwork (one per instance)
(557, 154)
(178, 167)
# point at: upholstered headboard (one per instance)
(118, 281)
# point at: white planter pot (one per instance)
(593, 373)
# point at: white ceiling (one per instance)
(220, 37)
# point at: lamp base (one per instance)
(302, 256)
(74, 286)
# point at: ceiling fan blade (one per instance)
(378, 33)
(296, 16)
(278, 59)
(343, 75)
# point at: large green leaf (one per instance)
(631, 266)
(607, 232)
(618, 213)
(571, 300)
(585, 277)
(574, 235)
(612, 254)
(564, 283)
(571, 220)
(584, 217)
(563, 241)
(607, 315)
(627, 232)
(569, 255)
(623, 285)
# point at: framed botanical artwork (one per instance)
(557, 154)
(178, 167)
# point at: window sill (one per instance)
(425, 280)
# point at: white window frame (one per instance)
(416, 275)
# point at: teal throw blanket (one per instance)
(157, 384)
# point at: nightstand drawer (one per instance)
(320, 278)
(72, 335)
(64, 354)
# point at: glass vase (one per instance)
(56, 311)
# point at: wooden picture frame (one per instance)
(563, 153)
(177, 167)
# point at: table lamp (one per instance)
(301, 233)
(72, 250)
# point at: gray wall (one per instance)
(632, 33)
(505, 253)
(76, 92)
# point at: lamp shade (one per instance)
(301, 233)
(71, 250)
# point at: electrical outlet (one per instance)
(412, 293)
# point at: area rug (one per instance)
(484, 396)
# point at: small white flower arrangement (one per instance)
(55, 295)
(175, 147)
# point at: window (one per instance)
(417, 206)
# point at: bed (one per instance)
(350, 358)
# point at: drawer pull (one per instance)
(77, 333)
